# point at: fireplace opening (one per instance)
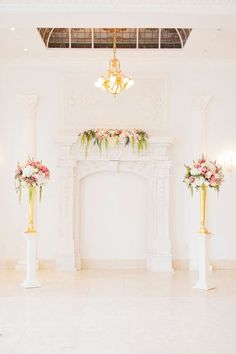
(113, 220)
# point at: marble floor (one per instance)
(117, 312)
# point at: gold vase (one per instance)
(203, 197)
(31, 226)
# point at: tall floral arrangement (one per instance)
(203, 172)
(106, 137)
(31, 174)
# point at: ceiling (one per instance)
(118, 13)
(213, 24)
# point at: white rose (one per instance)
(194, 171)
(208, 174)
(201, 181)
(28, 171)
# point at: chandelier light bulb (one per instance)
(130, 83)
(99, 82)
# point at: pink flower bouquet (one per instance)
(203, 172)
(31, 174)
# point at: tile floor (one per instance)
(117, 312)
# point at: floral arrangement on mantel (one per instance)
(31, 174)
(105, 137)
(203, 172)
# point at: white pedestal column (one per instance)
(31, 262)
(203, 263)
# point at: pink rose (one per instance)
(191, 179)
(213, 179)
(44, 169)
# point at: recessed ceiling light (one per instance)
(12, 28)
(25, 49)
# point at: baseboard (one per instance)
(47, 264)
(10, 264)
(224, 264)
(178, 264)
(7, 264)
(113, 263)
(216, 264)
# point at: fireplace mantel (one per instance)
(153, 164)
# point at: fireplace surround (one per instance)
(153, 164)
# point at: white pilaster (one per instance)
(199, 139)
(200, 106)
(28, 105)
(159, 257)
(66, 253)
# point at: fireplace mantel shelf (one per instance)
(157, 150)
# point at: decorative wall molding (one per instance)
(86, 107)
(153, 165)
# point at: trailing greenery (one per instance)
(106, 137)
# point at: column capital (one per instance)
(200, 103)
(29, 104)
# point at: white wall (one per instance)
(47, 79)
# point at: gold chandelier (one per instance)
(116, 82)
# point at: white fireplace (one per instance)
(153, 165)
